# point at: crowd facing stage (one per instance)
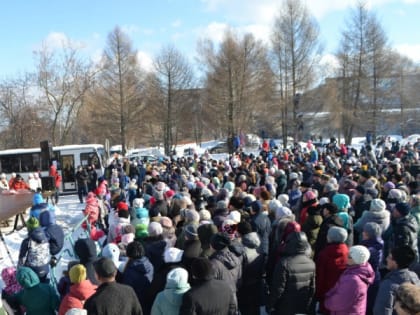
(298, 231)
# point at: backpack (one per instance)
(38, 254)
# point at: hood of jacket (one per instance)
(363, 271)
(296, 243)
(142, 265)
(26, 277)
(174, 295)
(85, 249)
(83, 290)
(251, 240)
(227, 258)
(402, 275)
(38, 235)
(47, 218)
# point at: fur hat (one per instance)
(336, 234)
(154, 229)
(377, 205)
(408, 295)
(205, 215)
(359, 254)
(220, 240)
(77, 273)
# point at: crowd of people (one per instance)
(299, 231)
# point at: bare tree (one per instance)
(238, 82)
(364, 58)
(295, 48)
(119, 88)
(173, 80)
(64, 79)
(22, 124)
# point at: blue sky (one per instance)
(26, 25)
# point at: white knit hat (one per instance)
(359, 254)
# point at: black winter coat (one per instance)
(209, 297)
(293, 284)
(112, 298)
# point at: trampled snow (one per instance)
(69, 212)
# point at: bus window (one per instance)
(10, 163)
(29, 162)
(90, 158)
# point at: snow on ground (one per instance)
(68, 214)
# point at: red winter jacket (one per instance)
(330, 264)
(79, 293)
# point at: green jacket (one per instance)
(38, 298)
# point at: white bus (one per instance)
(67, 158)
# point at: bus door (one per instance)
(68, 173)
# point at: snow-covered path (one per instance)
(68, 214)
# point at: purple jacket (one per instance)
(349, 295)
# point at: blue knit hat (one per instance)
(342, 201)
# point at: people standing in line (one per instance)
(81, 179)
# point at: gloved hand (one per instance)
(53, 261)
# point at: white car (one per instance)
(410, 139)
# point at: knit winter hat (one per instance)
(154, 229)
(372, 229)
(373, 192)
(403, 208)
(191, 230)
(192, 216)
(284, 199)
(342, 201)
(359, 254)
(256, 206)
(172, 255)
(389, 185)
(166, 222)
(111, 251)
(141, 230)
(377, 205)
(235, 216)
(32, 224)
(77, 273)
(273, 205)
(310, 195)
(122, 206)
(361, 189)
(323, 201)
(395, 194)
(336, 234)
